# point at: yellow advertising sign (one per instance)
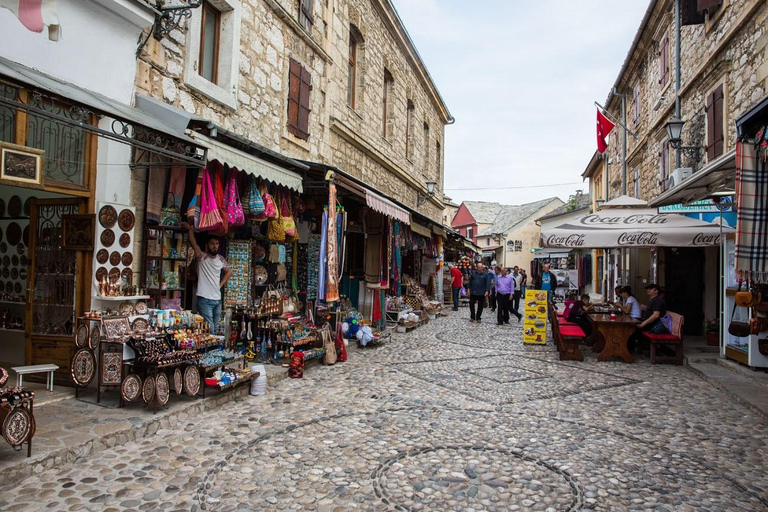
(535, 317)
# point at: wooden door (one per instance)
(53, 296)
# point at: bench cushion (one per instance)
(670, 338)
(566, 323)
(572, 331)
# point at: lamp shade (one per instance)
(675, 129)
(431, 187)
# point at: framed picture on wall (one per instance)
(21, 166)
(78, 231)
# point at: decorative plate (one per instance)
(83, 367)
(125, 240)
(116, 327)
(95, 338)
(3, 247)
(6, 261)
(126, 220)
(24, 260)
(148, 390)
(162, 388)
(20, 248)
(17, 288)
(15, 261)
(177, 381)
(111, 368)
(81, 337)
(13, 233)
(9, 286)
(101, 273)
(4, 376)
(126, 308)
(2, 289)
(114, 258)
(131, 387)
(107, 216)
(191, 380)
(23, 273)
(260, 275)
(17, 426)
(28, 205)
(141, 308)
(140, 324)
(259, 252)
(102, 256)
(6, 272)
(127, 274)
(2, 208)
(14, 206)
(127, 259)
(114, 275)
(25, 236)
(107, 238)
(1, 234)
(14, 273)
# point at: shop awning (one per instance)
(386, 207)
(472, 247)
(421, 230)
(551, 254)
(249, 163)
(439, 231)
(633, 227)
(128, 118)
(713, 177)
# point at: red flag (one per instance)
(604, 127)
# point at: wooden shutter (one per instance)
(637, 104)
(710, 110)
(294, 90)
(690, 13)
(664, 60)
(708, 5)
(664, 165)
(306, 13)
(304, 110)
(717, 113)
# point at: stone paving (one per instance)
(452, 416)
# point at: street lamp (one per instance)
(675, 134)
(431, 185)
(600, 202)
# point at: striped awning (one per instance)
(386, 207)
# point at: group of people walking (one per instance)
(499, 288)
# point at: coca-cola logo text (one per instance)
(637, 219)
(644, 238)
(566, 241)
(702, 239)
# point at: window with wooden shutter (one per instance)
(352, 69)
(299, 87)
(664, 165)
(409, 130)
(306, 14)
(386, 106)
(715, 123)
(426, 149)
(664, 61)
(209, 42)
(438, 163)
(637, 104)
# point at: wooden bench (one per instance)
(37, 368)
(675, 339)
(568, 337)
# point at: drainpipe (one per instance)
(677, 74)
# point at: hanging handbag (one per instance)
(289, 225)
(738, 328)
(217, 182)
(275, 231)
(282, 273)
(747, 299)
(210, 219)
(255, 202)
(170, 215)
(193, 210)
(235, 215)
(329, 344)
(270, 210)
(274, 253)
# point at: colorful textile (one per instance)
(752, 215)
(323, 258)
(313, 265)
(332, 292)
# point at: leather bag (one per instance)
(747, 299)
(738, 328)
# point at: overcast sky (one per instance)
(520, 78)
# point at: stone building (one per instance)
(338, 82)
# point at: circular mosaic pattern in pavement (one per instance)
(463, 477)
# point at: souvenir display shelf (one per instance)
(165, 264)
(17, 401)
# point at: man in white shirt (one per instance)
(210, 281)
(518, 277)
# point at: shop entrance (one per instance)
(684, 286)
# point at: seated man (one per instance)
(656, 310)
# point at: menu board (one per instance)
(535, 317)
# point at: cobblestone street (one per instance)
(453, 416)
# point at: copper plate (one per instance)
(126, 308)
(125, 240)
(177, 381)
(111, 368)
(14, 207)
(126, 220)
(3, 247)
(3, 376)
(127, 259)
(102, 256)
(131, 387)
(23, 273)
(101, 273)
(141, 308)
(114, 275)
(9, 286)
(24, 260)
(28, 205)
(95, 338)
(17, 426)
(81, 337)
(20, 249)
(13, 234)
(17, 288)
(162, 388)
(114, 258)
(15, 260)
(140, 324)
(127, 274)
(107, 216)
(2, 208)
(14, 273)
(83, 367)
(25, 236)
(107, 238)
(6, 272)
(191, 380)
(1, 234)
(148, 390)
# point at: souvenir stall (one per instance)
(563, 264)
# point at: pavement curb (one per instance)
(716, 383)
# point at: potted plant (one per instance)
(712, 331)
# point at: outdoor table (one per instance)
(615, 334)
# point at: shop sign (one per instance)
(703, 206)
(535, 317)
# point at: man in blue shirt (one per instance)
(546, 281)
(479, 286)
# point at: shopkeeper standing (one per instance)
(210, 280)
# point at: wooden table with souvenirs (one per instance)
(611, 332)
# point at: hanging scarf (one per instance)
(323, 262)
(751, 214)
(332, 292)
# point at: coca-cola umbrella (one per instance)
(633, 227)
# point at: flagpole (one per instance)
(614, 120)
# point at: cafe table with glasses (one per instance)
(611, 330)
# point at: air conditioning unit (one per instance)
(679, 175)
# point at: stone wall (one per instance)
(729, 49)
(348, 139)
